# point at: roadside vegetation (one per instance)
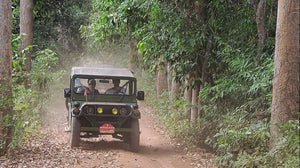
(240, 137)
(30, 104)
(33, 90)
(205, 66)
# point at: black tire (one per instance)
(75, 132)
(134, 137)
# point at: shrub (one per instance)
(29, 103)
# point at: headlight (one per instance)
(136, 112)
(115, 111)
(124, 111)
(76, 111)
(91, 110)
(100, 110)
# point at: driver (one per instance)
(115, 89)
(91, 87)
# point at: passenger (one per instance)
(116, 88)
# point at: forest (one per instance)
(221, 75)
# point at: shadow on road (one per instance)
(104, 145)
(97, 144)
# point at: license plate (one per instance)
(107, 129)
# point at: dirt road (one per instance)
(157, 150)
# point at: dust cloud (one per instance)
(55, 112)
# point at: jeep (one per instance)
(103, 101)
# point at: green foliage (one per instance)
(29, 104)
(241, 138)
(286, 152)
(163, 33)
(241, 90)
(170, 113)
(43, 66)
(15, 18)
(147, 84)
(242, 81)
(19, 58)
(6, 125)
(19, 73)
(114, 21)
(173, 37)
(56, 23)
(249, 139)
(26, 117)
(238, 89)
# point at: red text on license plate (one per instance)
(107, 128)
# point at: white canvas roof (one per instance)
(109, 71)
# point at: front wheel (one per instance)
(134, 137)
(75, 132)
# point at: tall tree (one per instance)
(260, 8)
(175, 90)
(133, 56)
(194, 110)
(201, 18)
(188, 97)
(195, 95)
(173, 85)
(170, 75)
(203, 73)
(26, 27)
(285, 102)
(161, 80)
(6, 109)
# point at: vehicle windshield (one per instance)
(104, 86)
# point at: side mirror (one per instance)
(67, 92)
(140, 95)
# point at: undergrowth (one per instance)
(171, 113)
(238, 132)
(30, 98)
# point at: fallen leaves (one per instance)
(53, 150)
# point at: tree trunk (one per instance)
(195, 95)
(169, 79)
(188, 97)
(6, 108)
(203, 78)
(175, 90)
(133, 56)
(261, 28)
(194, 110)
(200, 7)
(173, 86)
(285, 102)
(26, 27)
(161, 80)
(204, 74)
